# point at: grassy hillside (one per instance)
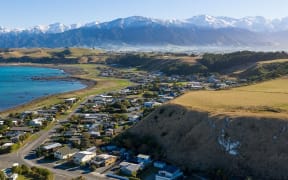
(194, 141)
(265, 70)
(46, 55)
(229, 132)
(267, 98)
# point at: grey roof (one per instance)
(26, 129)
(171, 169)
(52, 146)
(67, 150)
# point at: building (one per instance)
(51, 147)
(169, 173)
(22, 129)
(159, 164)
(144, 159)
(109, 132)
(65, 152)
(151, 104)
(83, 157)
(70, 100)
(129, 169)
(37, 122)
(103, 98)
(103, 160)
(133, 117)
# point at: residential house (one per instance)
(109, 132)
(28, 113)
(133, 117)
(143, 160)
(83, 157)
(65, 152)
(169, 173)
(103, 160)
(195, 85)
(103, 98)
(70, 100)
(22, 129)
(94, 133)
(129, 169)
(159, 164)
(37, 122)
(52, 147)
(151, 104)
(75, 140)
(6, 145)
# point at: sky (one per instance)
(27, 13)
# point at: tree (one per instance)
(79, 178)
(2, 175)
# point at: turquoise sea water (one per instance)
(18, 87)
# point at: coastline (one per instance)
(73, 75)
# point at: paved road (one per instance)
(20, 157)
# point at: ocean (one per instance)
(21, 84)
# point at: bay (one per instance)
(21, 84)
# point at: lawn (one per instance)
(268, 98)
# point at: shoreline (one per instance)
(73, 75)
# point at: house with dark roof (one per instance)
(169, 173)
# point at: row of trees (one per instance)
(220, 62)
(33, 172)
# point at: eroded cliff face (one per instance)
(242, 146)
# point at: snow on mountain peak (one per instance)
(257, 24)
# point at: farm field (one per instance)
(264, 99)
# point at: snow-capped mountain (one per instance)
(137, 30)
(50, 29)
(256, 24)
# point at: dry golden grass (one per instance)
(46, 52)
(274, 61)
(269, 98)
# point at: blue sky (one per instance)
(26, 13)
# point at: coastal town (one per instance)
(83, 142)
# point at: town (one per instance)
(83, 142)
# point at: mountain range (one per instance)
(202, 30)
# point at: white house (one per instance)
(169, 173)
(103, 98)
(151, 104)
(83, 157)
(37, 122)
(133, 117)
(143, 159)
(65, 152)
(70, 100)
(129, 168)
(195, 85)
(109, 132)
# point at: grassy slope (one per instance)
(188, 130)
(264, 99)
(46, 52)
